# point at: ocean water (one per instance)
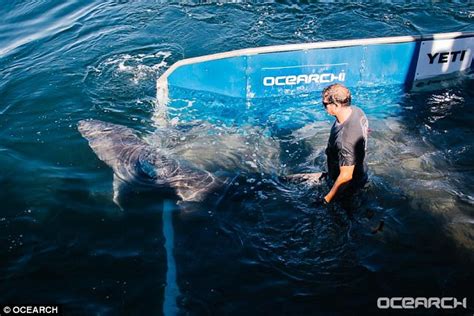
(264, 249)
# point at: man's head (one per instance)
(335, 97)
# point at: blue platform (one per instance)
(305, 68)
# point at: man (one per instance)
(347, 144)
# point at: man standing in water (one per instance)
(347, 144)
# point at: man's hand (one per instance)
(345, 175)
(320, 202)
(323, 176)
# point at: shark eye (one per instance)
(147, 167)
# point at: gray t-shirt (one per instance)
(347, 145)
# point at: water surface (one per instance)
(264, 249)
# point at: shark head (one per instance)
(134, 161)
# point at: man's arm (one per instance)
(345, 175)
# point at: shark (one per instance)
(193, 171)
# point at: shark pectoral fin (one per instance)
(190, 194)
(118, 186)
(196, 186)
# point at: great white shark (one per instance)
(136, 162)
(194, 171)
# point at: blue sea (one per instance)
(265, 249)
